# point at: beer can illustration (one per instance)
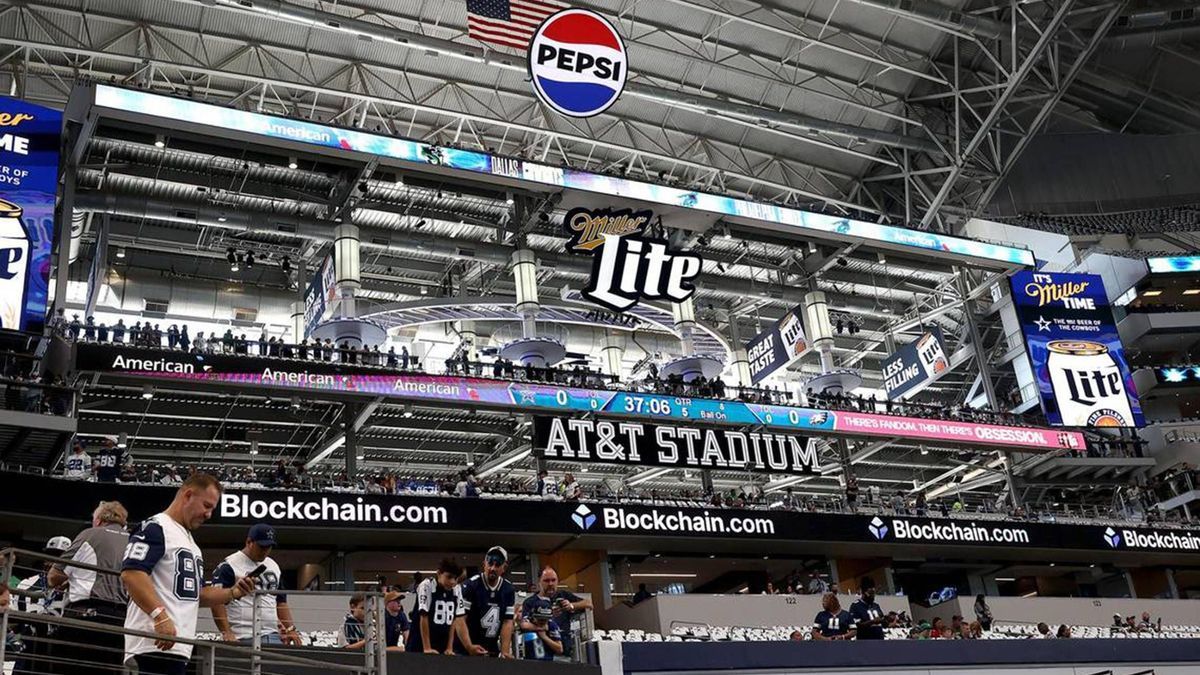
(933, 357)
(14, 264)
(1087, 384)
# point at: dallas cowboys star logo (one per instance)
(1042, 323)
(527, 396)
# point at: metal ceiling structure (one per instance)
(908, 112)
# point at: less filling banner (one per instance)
(916, 363)
(639, 444)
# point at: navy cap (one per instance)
(262, 534)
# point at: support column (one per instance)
(685, 323)
(706, 481)
(298, 321)
(524, 269)
(466, 331)
(349, 412)
(347, 268)
(613, 354)
(820, 331)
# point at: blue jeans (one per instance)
(267, 639)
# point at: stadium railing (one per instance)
(33, 649)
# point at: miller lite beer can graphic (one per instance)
(1087, 385)
(933, 357)
(14, 265)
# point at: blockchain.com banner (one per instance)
(29, 147)
(1075, 351)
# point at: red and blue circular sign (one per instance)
(577, 63)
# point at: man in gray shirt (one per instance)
(94, 596)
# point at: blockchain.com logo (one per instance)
(1112, 538)
(583, 517)
(877, 528)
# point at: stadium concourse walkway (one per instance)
(982, 657)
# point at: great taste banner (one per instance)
(1075, 351)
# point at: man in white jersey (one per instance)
(164, 573)
(236, 621)
(77, 465)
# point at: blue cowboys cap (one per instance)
(497, 555)
(541, 610)
(262, 534)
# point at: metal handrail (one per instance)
(375, 649)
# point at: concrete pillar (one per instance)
(685, 323)
(741, 368)
(613, 353)
(298, 321)
(524, 270)
(820, 332)
(347, 267)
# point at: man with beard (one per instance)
(490, 601)
(867, 615)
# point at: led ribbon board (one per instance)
(222, 120)
(1174, 264)
(531, 397)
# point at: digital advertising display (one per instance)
(1174, 264)
(223, 120)
(30, 137)
(777, 347)
(920, 361)
(319, 296)
(534, 397)
(1075, 351)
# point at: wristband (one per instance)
(158, 611)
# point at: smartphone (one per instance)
(257, 571)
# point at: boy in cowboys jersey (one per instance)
(439, 614)
(832, 622)
(164, 574)
(109, 462)
(490, 601)
(77, 465)
(236, 622)
(868, 617)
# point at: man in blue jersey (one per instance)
(867, 615)
(490, 601)
(832, 622)
(164, 574)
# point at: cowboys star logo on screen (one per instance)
(577, 63)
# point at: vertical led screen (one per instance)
(1076, 353)
(29, 147)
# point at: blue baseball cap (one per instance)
(262, 534)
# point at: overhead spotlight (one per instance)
(399, 181)
(509, 200)
(887, 310)
(812, 247)
(160, 141)
(122, 439)
(842, 262)
(234, 266)
(882, 258)
(254, 447)
(292, 163)
(408, 411)
(424, 291)
(120, 251)
(296, 402)
(726, 234)
(147, 392)
(924, 450)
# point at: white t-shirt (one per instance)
(166, 551)
(240, 611)
(77, 466)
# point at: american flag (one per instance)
(508, 23)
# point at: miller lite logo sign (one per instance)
(587, 226)
(577, 63)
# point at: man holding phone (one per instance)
(236, 620)
(567, 608)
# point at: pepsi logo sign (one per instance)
(577, 63)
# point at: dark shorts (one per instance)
(160, 664)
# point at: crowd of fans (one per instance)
(956, 413)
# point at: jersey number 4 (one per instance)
(491, 621)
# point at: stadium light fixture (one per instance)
(1192, 291)
(160, 141)
(1152, 293)
(121, 254)
(292, 164)
(1006, 578)
(147, 392)
(122, 439)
